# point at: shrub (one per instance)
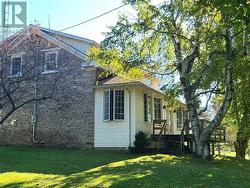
(141, 142)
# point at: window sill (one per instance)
(114, 121)
(14, 76)
(50, 72)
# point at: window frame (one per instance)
(13, 56)
(48, 52)
(112, 110)
(149, 109)
(114, 105)
(145, 107)
(108, 119)
(179, 121)
(156, 99)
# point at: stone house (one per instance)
(88, 111)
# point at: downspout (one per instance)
(34, 113)
(129, 114)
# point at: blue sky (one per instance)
(64, 13)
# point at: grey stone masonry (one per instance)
(67, 120)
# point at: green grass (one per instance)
(38, 167)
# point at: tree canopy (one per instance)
(198, 41)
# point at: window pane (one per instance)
(16, 66)
(106, 105)
(179, 118)
(111, 106)
(119, 104)
(184, 116)
(149, 104)
(51, 62)
(157, 105)
(145, 108)
(51, 57)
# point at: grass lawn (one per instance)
(38, 167)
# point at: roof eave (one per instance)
(134, 83)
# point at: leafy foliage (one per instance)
(141, 142)
(198, 41)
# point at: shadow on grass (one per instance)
(116, 169)
(55, 161)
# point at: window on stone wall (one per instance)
(147, 108)
(157, 106)
(113, 105)
(51, 63)
(16, 66)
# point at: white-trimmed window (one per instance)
(107, 105)
(113, 105)
(180, 118)
(147, 108)
(157, 106)
(16, 65)
(51, 63)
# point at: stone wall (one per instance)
(67, 120)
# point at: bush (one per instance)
(141, 142)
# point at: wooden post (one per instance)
(153, 128)
(213, 153)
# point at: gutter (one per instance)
(134, 83)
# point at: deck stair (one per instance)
(179, 143)
(169, 143)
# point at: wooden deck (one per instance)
(179, 143)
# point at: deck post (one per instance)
(213, 153)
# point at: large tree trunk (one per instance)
(184, 67)
(203, 150)
(202, 141)
(240, 146)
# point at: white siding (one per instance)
(113, 133)
(116, 133)
(79, 45)
(141, 125)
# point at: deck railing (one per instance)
(162, 126)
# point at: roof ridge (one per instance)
(68, 35)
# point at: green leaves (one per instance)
(147, 45)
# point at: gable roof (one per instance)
(54, 32)
(71, 43)
(112, 81)
(53, 37)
